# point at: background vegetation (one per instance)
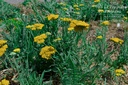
(84, 43)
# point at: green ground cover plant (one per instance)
(58, 43)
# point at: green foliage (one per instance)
(77, 61)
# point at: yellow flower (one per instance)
(81, 4)
(57, 39)
(78, 25)
(96, 1)
(125, 18)
(3, 49)
(70, 28)
(29, 26)
(2, 42)
(47, 51)
(75, 6)
(48, 33)
(93, 6)
(100, 11)
(99, 37)
(36, 26)
(5, 82)
(40, 39)
(17, 50)
(77, 13)
(119, 72)
(105, 23)
(65, 9)
(117, 40)
(63, 4)
(52, 16)
(66, 19)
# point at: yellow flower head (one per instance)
(3, 49)
(119, 72)
(117, 40)
(52, 16)
(100, 11)
(36, 26)
(47, 51)
(77, 13)
(40, 39)
(106, 23)
(2, 42)
(17, 50)
(5, 82)
(29, 26)
(93, 6)
(99, 37)
(48, 33)
(70, 28)
(63, 4)
(79, 25)
(65, 9)
(57, 39)
(96, 1)
(125, 18)
(81, 4)
(75, 6)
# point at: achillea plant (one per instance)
(117, 40)
(52, 16)
(99, 37)
(48, 33)
(93, 6)
(75, 6)
(2, 42)
(62, 4)
(119, 72)
(4, 82)
(57, 39)
(125, 18)
(3, 47)
(47, 51)
(100, 10)
(96, 1)
(16, 50)
(106, 23)
(77, 13)
(70, 28)
(40, 39)
(81, 5)
(66, 9)
(36, 26)
(79, 25)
